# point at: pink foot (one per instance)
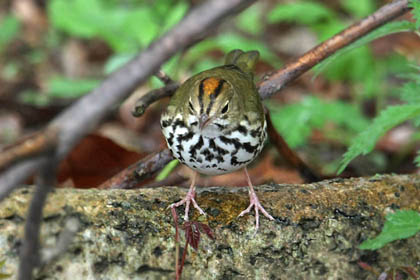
(188, 199)
(254, 202)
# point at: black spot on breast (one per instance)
(234, 161)
(242, 129)
(249, 148)
(217, 149)
(234, 141)
(179, 123)
(197, 146)
(170, 139)
(208, 155)
(185, 137)
(165, 123)
(180, 158)
(255, 132)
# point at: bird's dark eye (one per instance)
(225, 109)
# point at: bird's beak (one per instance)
(204, 120)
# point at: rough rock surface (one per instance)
(130, 234)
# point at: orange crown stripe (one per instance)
(210, 85)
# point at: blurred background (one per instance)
(53, 52)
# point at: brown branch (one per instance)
(297, 67)
(174, 179)
(85, 114)
(144, 168)
(164, 78)
(289, 155)
(146, 100)
(30, 146)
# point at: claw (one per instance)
(254, 202)
(188, 199)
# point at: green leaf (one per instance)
(304, 12)
(123, 27)
(390, 28)
(167, 170)
(359, 8)
(9, 29)
(175, 14)
(410, 92)
(227, 42)
(250, 19)
(116, 61)
(296, 121)
(387, 119)
(417, 159)
(415, 4)
(78, 17)
(61, 87)
(399, 225)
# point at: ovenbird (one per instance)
(215, 124)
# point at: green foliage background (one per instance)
(129, 26)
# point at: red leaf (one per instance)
(192, 234)
(207, 230)
(93, 161)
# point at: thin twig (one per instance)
(174, 179)
(146, 100)
(144, 168)
(30, 146)
(164, 78)
(85, 114)
(29, 254)
(294, 69)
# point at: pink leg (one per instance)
(188, 199)
(254, 202)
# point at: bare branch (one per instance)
(149, 98)
(144, 168)
(16, 175)
(29, 254)
(164, 77)
(297, 67)
(29, 146)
